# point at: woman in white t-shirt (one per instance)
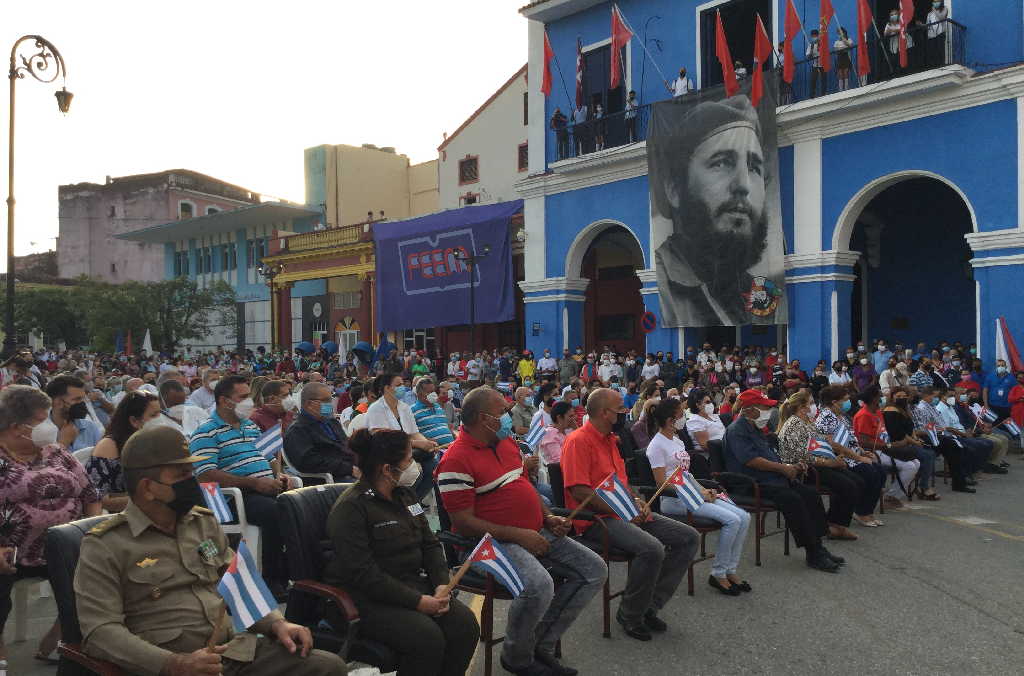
(703, 425)
(666, 452)
(389, 413)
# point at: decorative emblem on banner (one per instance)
(763, 298)
(430, 264)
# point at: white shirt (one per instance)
(705, 358)
(380, 416)
(936, 22)
(547, 364)
(650, 371)
(346, 416)
(666, 453)
(838, 378)
(698, 423)
(357, 423)
(473, 369)
(681, 86)
(579, 115)
(203, 398)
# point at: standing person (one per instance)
(526, 369)
(651, 368)
(864, 374)
(892, 31)
(995, 392)
(844, 64)
(42, 485)
(394, 566)
(485, 490)
(813, 54)
(146, 581)
(1016, 398)
(558, 125)
(568, 368)
(104, 465)
(662, 548)
(226, 446)
(935, 48)
(316, 442)
(579, 128)
(70, 413)
(881, 357)
(631, 106)
(667, 453)
(547, 366)
(681, 86)
(599, 127)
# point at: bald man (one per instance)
(662, 548)
(522, 412)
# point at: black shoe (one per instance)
(536, 668)
(742, 586)
(994, 469)
(653, 622)
(1004, 464)
(965, 489)
(970, 482)
(637, 630)
(838, 559)
(728, 591)
(821, 562)
(552, 663)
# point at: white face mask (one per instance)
(432, 397)
(762, 418)
(680, 422)
(244, 408)
(409, 475)
(709, 408)
(212, 385)
(951, 401)
(176, 411)
(45, 433)
(290, 403)
(814, 411)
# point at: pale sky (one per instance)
(238, 89)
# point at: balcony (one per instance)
(327, 238)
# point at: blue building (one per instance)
(902, 196)
(229, 246)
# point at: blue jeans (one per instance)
(425, 483)
(542, 612)
(735, 523)
(926, 475)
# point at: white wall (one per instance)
(494, 135)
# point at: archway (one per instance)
(613, 307)
(914, 281)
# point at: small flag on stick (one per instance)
(1011, 427)
(215, 501)
(842, 436)
(271, 442)
(933, 435)
(617, 498)
(688, 490)
(489, 558)
(820, 448)
(536, 432)
(244, 590)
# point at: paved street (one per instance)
(935, 591)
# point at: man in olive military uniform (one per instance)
(146, 583)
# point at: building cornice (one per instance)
(825, 277)
(648, 276)
(821, 258)
(998, 239)
(555, 284)
(995, 261)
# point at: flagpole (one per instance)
(573, 513)
(885, 50)
(562, 78)
(622, 16)
(654, 497)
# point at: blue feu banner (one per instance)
(421, 280)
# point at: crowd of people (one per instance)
(498, 441)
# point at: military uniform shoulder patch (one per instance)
(106, 525)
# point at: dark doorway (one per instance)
(739, 18)
(914, 281)
(611, 314)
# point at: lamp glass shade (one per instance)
(64, 99)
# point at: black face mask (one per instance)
(78, 411)
(187, 494)
(620, 422)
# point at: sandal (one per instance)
(929, 496)
(871, 523)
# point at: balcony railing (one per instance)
(933, 46)
(329, 237)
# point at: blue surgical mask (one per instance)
(401, 391)
(575, 403)
(846, 406)
(973, 350)
(1001, 370)
(935, 401)
(963, 398)
(881, 402)
(326, 409)
(505, 429)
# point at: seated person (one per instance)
(977, 450)
(146, 582)
(388, 547)
(315, 442)
(983, 430)
(900, 427)
(662, 548)
(433, 425)
(104, 465)
(484, 490)
(703, 425)
(71, 415)
(666, 453)
(276, 406)
(750, 450)
(924, 414)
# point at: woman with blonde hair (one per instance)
(796, 430)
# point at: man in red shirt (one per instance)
(662, 547)
(485, 489)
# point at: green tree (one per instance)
(51, 312)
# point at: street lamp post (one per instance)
(470, 260)
(39, 66)
(269, 272)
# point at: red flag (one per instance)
(579, 73)
(792, 28)
(545, 84)
(725, 58)
(906, 16)
(824, 48)
(1006, 347)
(864, 21)
(620, 38)
(762, 52)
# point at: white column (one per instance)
(537, 114)
(807, 196)
(535, 246)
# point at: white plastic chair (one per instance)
(20, 594)
(82, 455)
(326, 477)
(249, 532)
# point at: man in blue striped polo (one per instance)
(227, 445)
(433, 424)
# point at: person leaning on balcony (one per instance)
(681, 86)
(935, 47)
(631, 106)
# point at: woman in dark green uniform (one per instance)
(391, 563)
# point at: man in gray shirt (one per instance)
(522, 412)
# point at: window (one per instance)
(616, 327)
(232, 257)
(419, 339)
(597, 73)
(181, 264)
(113, 211)
(738, 19)
(346, 340)
(348, 300)
(256, 249)
(212, 210)
(185, 210)
(113, 268)
(524, 157)
(468, 170)
(228, 257)
(526, 109)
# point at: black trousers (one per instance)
(262, 510)
(873, 477)
(955, 459)
(804, 512)
(847, 489)
(7, 584)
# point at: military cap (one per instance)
(160, 445)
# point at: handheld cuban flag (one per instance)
(933, 435)
(687, 489)
(982, 413)
(244, 590)
(215, 501)
(271, 442)
(488, 557)
(1011, 427)
(820, 448)
(536, 432)
(617, 497)
(842, 436)
(722, 495)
